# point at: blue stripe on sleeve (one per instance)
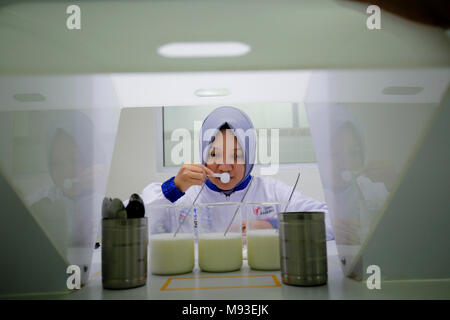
(273, 222)
(170, 190)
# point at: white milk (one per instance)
(217, 253)
(169, 255)
(263, 251)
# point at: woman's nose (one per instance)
(224, 167)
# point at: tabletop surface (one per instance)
(247, 284)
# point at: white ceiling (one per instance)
(178, 89)
(309, 50)
(124, 36)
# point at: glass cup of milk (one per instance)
(171, 254)
(261, 226)
(219, 247)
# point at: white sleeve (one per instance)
(153, 195)
(300, 202)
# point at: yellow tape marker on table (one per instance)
(221, 282)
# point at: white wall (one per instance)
(134, 159)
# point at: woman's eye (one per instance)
(214, 155)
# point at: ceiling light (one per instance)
(212, 92)
(29, 97)
(203, 49)
(402, 90)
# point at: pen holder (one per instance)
(124, 253)
(303, 249)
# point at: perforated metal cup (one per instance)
(124, 253)
(303, 249)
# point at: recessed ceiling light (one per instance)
(212, 92)
(29, 97)
(402, 90)
(203, 49)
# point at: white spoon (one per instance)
(224, 177)
(68, 183)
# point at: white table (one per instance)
(264, 286)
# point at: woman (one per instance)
(356, 189)
(228, 144)
(67, 209)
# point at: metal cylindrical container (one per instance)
(124, 253)
(303, 249)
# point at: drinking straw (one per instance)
(189, 211)
(239, 206)
(292, 192)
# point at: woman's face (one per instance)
(348, 150)
(347, 155)
(226, 155)
(65, 160)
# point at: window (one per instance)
(295, 144)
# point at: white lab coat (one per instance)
(261, 190)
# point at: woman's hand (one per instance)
(381, 171)
(256, 224)
(191, 174)
(260, 224)
(86, 181)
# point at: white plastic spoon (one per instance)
(224, 177)
(68, 183)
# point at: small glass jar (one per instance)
(262, 237)
(219, 237)
(170, 253)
